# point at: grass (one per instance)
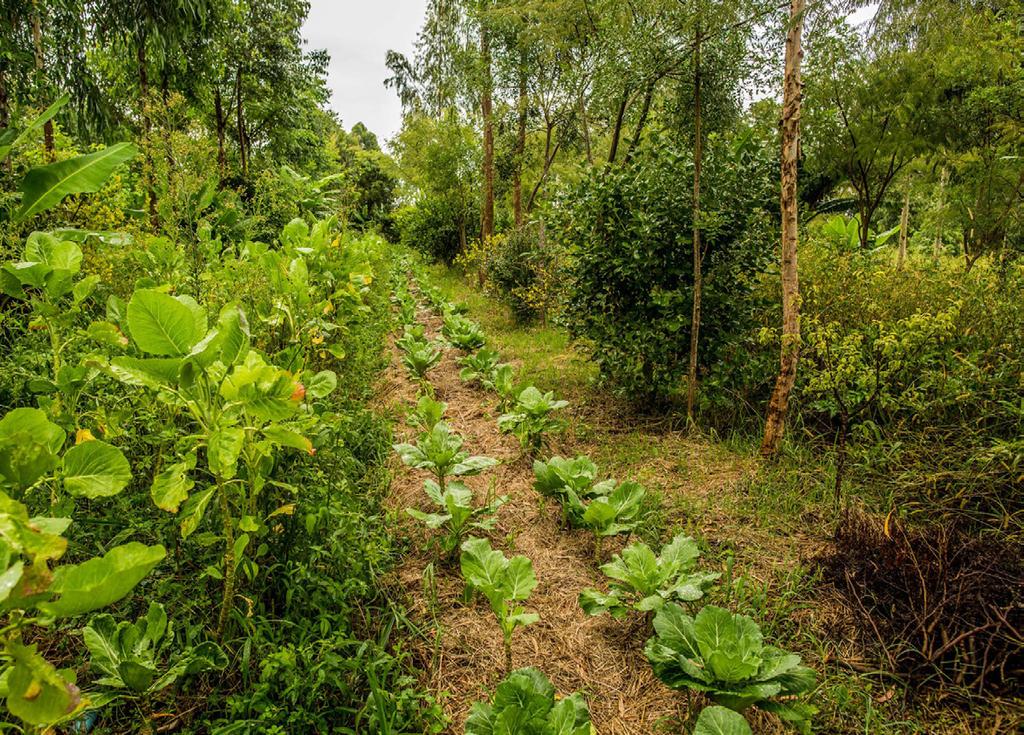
(771, 520)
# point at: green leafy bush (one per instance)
(503, 582)
(723, 655)
(639, 580)
(525, 704)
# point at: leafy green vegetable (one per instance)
(502, 581)
(439, 451)
(479, 366)
(462, 333)
(641, 581)
(723, 654)
(524, 704)
(530, 418)
(717, 720)
(128, 655)
(427, 414)
(457, 514)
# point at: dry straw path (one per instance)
(601, 658)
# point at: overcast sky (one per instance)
(357, 34)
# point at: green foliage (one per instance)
(462, 333)
(639, 580)
(629, 292)
(525, 704)
(479, 367)
(530, 417)
(129, 656)
(439, 451)
(503, 582)
(427, 414)
(458, 516)
(723, 655)
(717, 720)
(44, 187)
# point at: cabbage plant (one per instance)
(641, 581)
(479, 366)
(503, 582)
(723, 654)
(503, 383)
(420, 357)
(139, 659)
(525, 703)
(718, 720)
(457, 515)
(439, 451)
(530, 418)
(462, 332)
(427, 414)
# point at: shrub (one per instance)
(433, 228)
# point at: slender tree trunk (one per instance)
(5, 112)
(487, 215)
(617, 131)
(775, 421)
(37, 45)
(937, 243)
(218, 108)
(901, 258)
(243, 154)
(698, 156)
(517, 172)
(641, 123)
(586, 130)
(140, 51)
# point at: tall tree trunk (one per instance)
(641, 123)
(901, 257)
(517, 172)
(586, 130)
(37, 45)
(937, 243)
(698, 156)
(222, 123)
(775, 420)
(487, 215)
(243, 154)
(140, 55)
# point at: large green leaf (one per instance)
(95, 469)
(147, 372)
(163, 325)
(29, 445)
(718, 720)
(10, 138)
(172, 485)
(36, 692)
(45, 186)
(102, 580)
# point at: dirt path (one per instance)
(597, 656)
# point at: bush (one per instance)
(437, 228)
(523, 270)
(628, 234)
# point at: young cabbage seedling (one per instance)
(439, 451)
(504, 384)
(612, 514)
(420, 357)
(724, 655)
(525, 704)
(530, 418)
(503, 582)
(570, 482)
(457, 514)
(479, 366)
(639, 580)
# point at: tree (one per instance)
(775, 420)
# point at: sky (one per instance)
(357, 34)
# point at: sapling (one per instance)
(530, 419)
(641, 581)
(503, 582)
